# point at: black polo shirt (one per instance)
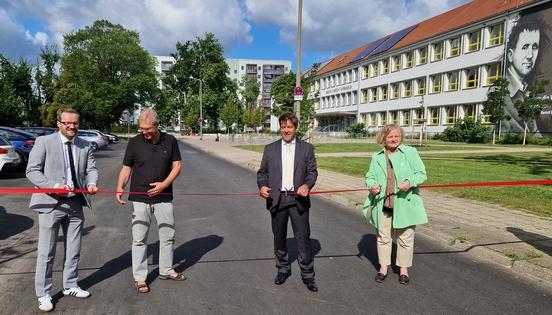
(151, 162)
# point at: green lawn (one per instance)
(484, 167)
(371, 147)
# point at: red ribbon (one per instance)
(25, 191)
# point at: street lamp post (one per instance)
(200, 107)
(297, 105)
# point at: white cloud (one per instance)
(330, 25)
(40, 38)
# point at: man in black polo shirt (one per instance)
(153, 159)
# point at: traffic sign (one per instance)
(298, 90)
(298, 98)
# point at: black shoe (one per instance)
(281, 277)
(404, 279)
(380, 277)
(311, 285)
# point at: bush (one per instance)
(357, 130)
(124, 128)
(517, 138)
(467, 130)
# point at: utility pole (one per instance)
(297, 105)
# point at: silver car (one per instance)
(9, 159)
(96, 139)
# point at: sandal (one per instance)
(178, 277)
(141, 287)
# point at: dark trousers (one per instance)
(301, 231)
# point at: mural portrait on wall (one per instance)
(527, 58)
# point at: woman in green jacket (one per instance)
(394, 204)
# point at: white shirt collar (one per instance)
(516, 83)
(64, 139)
(292, 141)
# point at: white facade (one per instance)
(266, 72)
(162, 65)
(443, 79)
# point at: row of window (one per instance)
(444, 115)
(436, 51)
(344, 99)
(465, 79)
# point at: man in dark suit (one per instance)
(285, 178)
(60, 160)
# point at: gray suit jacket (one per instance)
(46, 167)
(304, 172)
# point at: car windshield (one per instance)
(4, 141)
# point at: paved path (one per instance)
(507, 237)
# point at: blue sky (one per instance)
(255, 29)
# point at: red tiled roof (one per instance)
(464, 15)
(467, 14)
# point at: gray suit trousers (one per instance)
(69, 215)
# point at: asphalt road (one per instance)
(224, 246)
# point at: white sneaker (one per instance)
(76, 292)
(45, 303)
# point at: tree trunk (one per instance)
(524, 133)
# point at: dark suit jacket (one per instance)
(304, 172)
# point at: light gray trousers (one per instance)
(141, 221)
(69, 215)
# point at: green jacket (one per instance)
(408, 209)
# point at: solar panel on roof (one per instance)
(393, 39)
(373, 45)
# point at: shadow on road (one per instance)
(13, 224)
(367, 248)
(540, 242)
(292, 248)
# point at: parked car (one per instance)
(111, 138)
(41, 131)
(8, 157)
(96, 139)
(22, 141)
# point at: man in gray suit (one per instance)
(60, 160)
(285, 178)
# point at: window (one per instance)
(433, 113)
(384, 66)
(383, 93)
(372, 119)
(235, 71)
(471, 78)
(436, 83)
(382, 118)
(493, 73)
(469, 111)
(365, 71)
(496, 35)
(451, 114)
(420, 86)
(353, 98)
(396, 60)
(354, 74)
(374, 67)
(419, 116)
(364, 96)
(422, 56)
(474, 41)
(242, 67)
(437, 51)
(452, 78)
(405, 118)
(394, 90)
(373, 94)
(408, 59)
(394, 117)
(407, 88)
(455, 44)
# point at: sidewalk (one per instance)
(513, 239)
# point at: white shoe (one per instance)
(76, 292)
(45, 303)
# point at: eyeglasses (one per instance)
(69, 123)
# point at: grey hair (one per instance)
(149, 114)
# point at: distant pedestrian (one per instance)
(153, 159)
(60, 160)
(394, 205)
(285, 177)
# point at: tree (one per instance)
(104, 72)
(17, 101)
(229, 113)
(495, 104)
(47, 80)
(531, 106)
(202, 59)
(252, 88)
(253, 117)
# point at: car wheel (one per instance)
(94, 146)
(22, 162)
